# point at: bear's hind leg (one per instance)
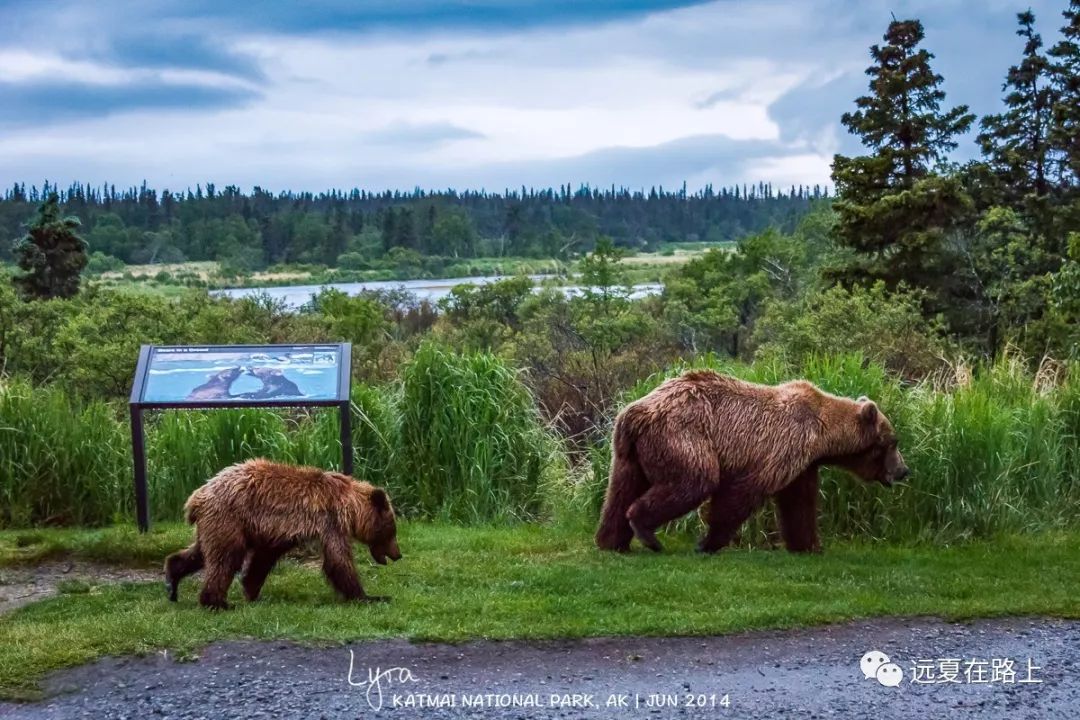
(181, 564)
(259, 565)
(223, 561)
(340, 570)
(797, 507)
(626, 484)
(728, 509)
(661, 504)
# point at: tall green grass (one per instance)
(459, 439)
(60, 462)
(473, 445)
(994, 450)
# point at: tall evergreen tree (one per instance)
(1016, 143)
(1065, 134)
(51, 254)
(893, 211)
(1017, 243)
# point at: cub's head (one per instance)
(878, 458)
(376, 527)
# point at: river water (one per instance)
(295, 296)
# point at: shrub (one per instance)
(99, 262)
(888, 328)
(352, 261)
(473, 448)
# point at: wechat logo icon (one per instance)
(877, 666)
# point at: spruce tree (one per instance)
(894, 212)
(1065, 56)
(1017, 243)
(51, 254)
(1016, 143)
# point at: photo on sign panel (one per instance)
(238, 374)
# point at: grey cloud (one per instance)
(424, 135)
(716, 157)
(44, 103)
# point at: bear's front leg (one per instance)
(340, 570)
(796, 506)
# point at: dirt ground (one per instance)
(22, 585)
(812, 673)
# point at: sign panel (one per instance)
(241, 374)
(231, 376)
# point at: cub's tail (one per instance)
(626, 484)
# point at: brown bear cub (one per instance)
(250, 514)
(705, 436)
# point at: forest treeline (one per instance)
(250, 231)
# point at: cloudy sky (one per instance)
(475, 94)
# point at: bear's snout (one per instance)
(896, 476)
(380, 554)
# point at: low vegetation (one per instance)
(459, 438)
(456, 584)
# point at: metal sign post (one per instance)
(236, 376)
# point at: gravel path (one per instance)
(812, 673)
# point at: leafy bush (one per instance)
(888, 328)
(99, 262)
(352, 261)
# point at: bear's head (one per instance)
(877, 458)
(227, 376)
(379, 530)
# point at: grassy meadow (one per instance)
(499, 513)
(526, 581)
(172, 279)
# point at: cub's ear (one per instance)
(868, 411)
(379, 501)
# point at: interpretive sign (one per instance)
(231, 376)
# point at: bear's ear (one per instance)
(379, 501)
(868, 411)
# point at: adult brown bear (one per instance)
(705, 436)
(259, 510)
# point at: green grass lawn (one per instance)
(524, 582)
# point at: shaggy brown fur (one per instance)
(259, 510)
(708, 437)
